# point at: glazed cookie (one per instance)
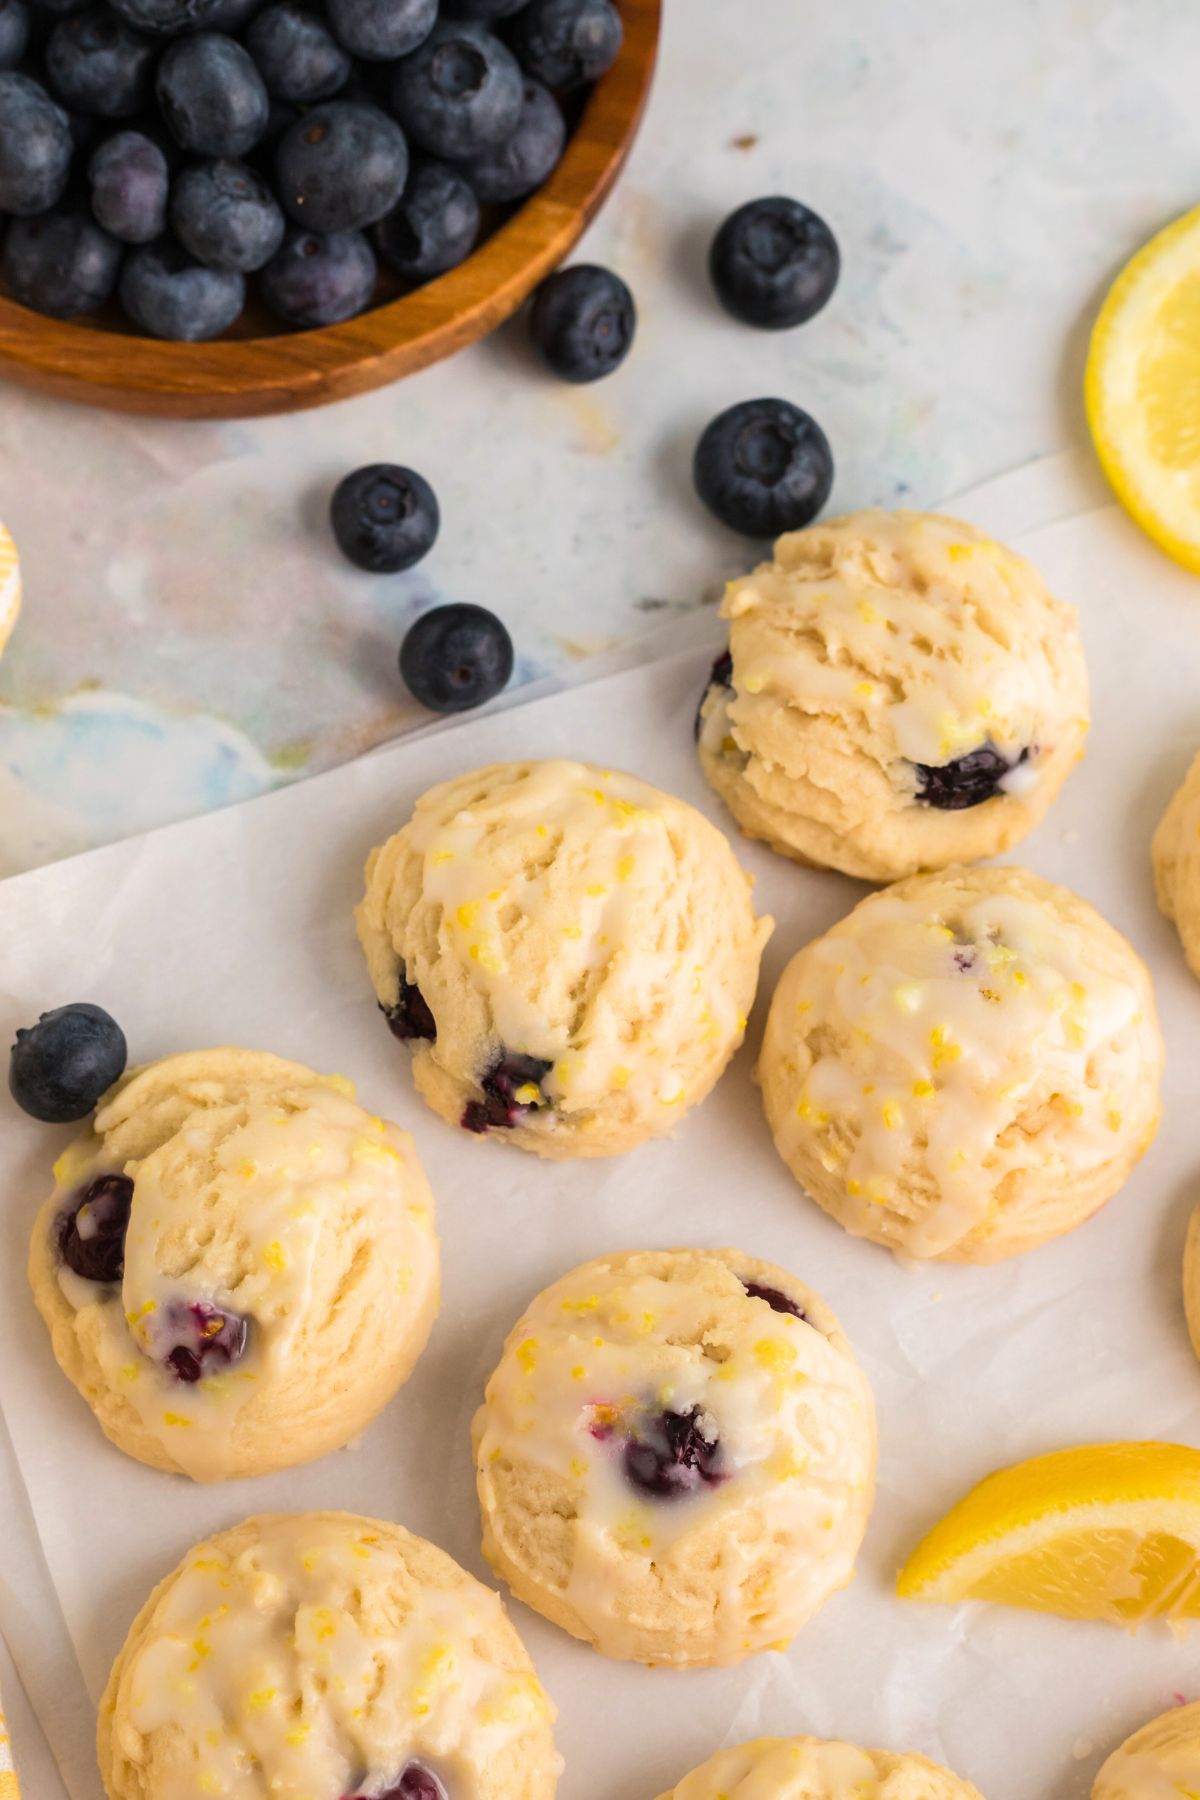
(10, 587)
(1176, 854)
(806, 1768)
(323, 1655)
(965, 1066)
(675, 1457)
(237, 1264)
(569, 953)
(1159, 1762)
(899, 693)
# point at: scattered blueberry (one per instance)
(340, 167)
(35, 147)
(775, 1298)
(459, 93)
(61, 1066)
(512, 1086)
(774, 263)
(409, 1016)
(14, 32)
(60, 263)
(129, 186)
(720, 675)
(170, 296)
(675, 1455)
(298, 56)
(226, 216)
(91, 1236)
(416, 1782)
(456, 657)
(583, 322)
(211, 95)
(567, 42)
(96, 63)
(434, 224)
(385, 518)
(967, 781)
(382, 30)
(764, 467)
(200, 1333)
(167, 18)
(510, 170)
(314, 280)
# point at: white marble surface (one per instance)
(190, 636)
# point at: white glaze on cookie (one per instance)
(772, 1518)
(316, 1655)
(951, 1031)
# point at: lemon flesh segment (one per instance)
(1109, 1531)
(1142, 388)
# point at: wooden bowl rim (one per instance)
(253, 375)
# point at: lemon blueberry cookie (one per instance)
(1159, 1762)
(1176, 853)
(899, 693)
(806, 1768)
(569, 953)
(237, 1264)
(675, 1456)
(323, 1656)
(966, 1065)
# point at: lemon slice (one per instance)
(10, 586)
(1143, 388)
(1110, 1531)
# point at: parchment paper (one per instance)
(237, 927)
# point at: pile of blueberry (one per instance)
(164, 151)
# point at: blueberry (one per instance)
(409, 1016)
(510, 170)
(774, 1297)
(720, 675)
(774, 263)
(764, 467)
(96, 63)
(226, 216)
(167, 18)
(129, 185)
(340, 167)
(459, 93)
(198, 1334)
(60, 263)
(484, 12)
(231, 15)
(170, 296)
(61, 1066)
(298, 57)
(967, 781)
(456, 657)
(91, 1235)
(381, 30)
(512, 1085)
(674, 1455)
(416, 1782)
(567, 42)
(384, 518)
(582, 323)
(314, 280)
(211, 95)
(35, 147)
(433, 226)
(14, 32)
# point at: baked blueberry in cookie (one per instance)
(902, 693)
(237, 1264)
(416, 1782)
(585, 943)
(720, 678)
(656, 1420)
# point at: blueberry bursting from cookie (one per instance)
(511, 1083)
(415, 1782)
(189, 1336)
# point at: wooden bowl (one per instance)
(263, 369)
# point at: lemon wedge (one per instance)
(1109, 1531)
(10, 586)
(1142, 388)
